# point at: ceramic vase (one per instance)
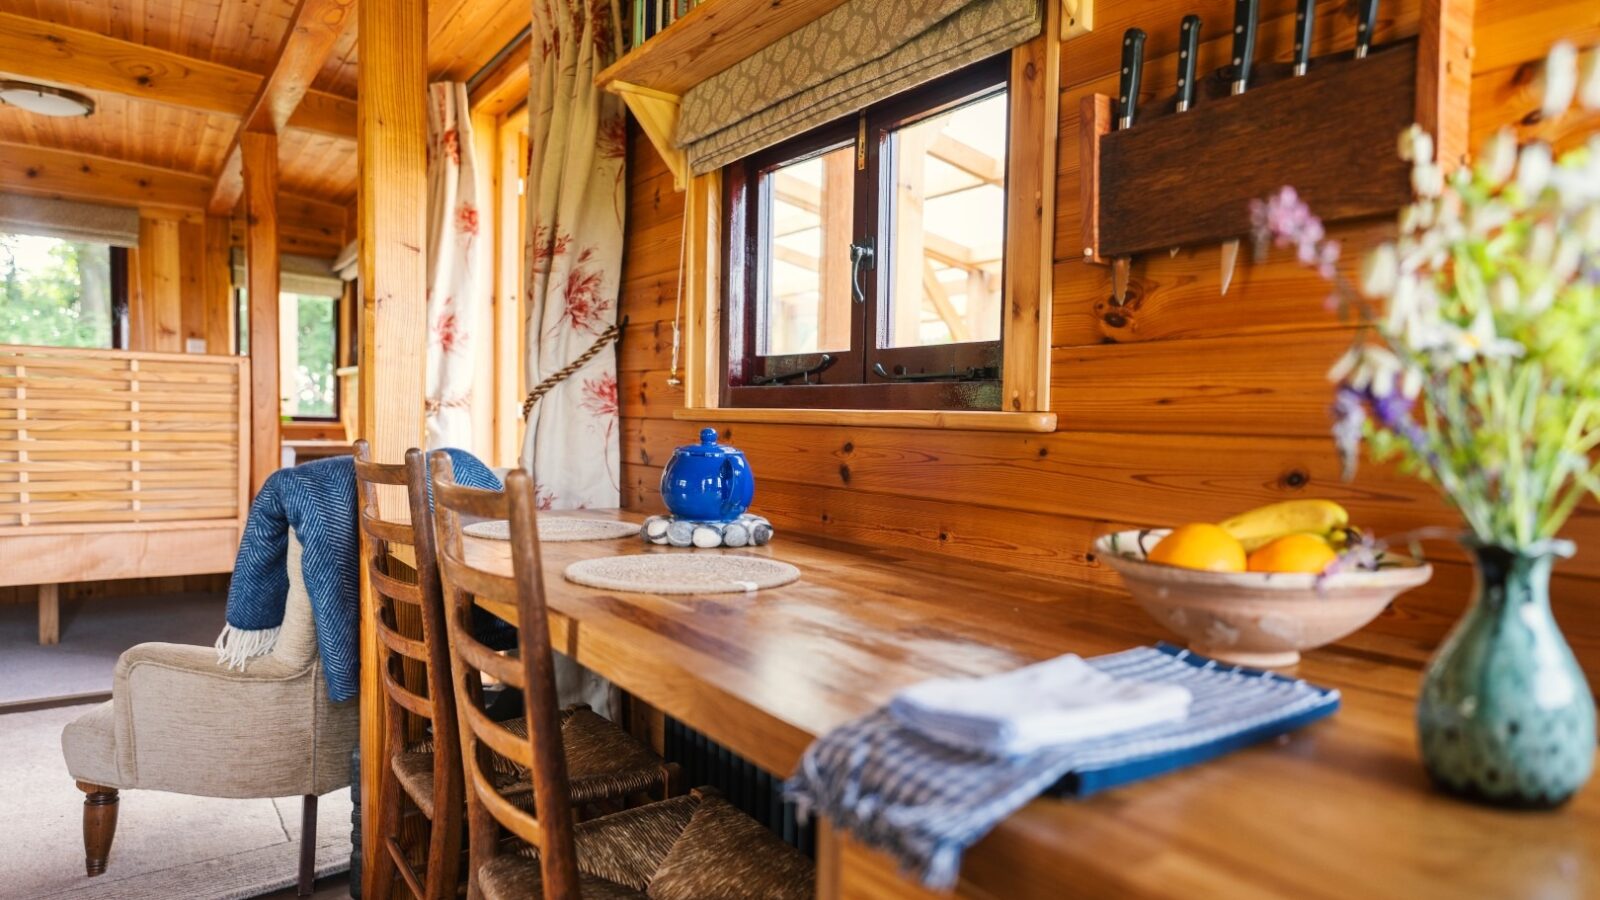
(1505, 716)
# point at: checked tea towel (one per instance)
(318, 500)
(925, 803)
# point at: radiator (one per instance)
(755, 791)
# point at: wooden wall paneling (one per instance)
(392, 71)
(157, 322)
(510, 166)
(216, 294)
(193, 274)
(260, 155)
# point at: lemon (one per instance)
(1200, 545)
(1294, 553)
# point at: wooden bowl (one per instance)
(1259, 619)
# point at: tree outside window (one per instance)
(55, 293)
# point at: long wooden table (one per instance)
(1340, 809)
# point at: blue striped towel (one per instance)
(925, 803)
(317, 499)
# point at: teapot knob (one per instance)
(708, 437)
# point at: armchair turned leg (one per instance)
(99, 825)
(308, 844)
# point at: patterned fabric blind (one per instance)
(69, 220)
(860, 53)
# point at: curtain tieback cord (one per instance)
(612, 333)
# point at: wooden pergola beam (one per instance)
(70, 57)
(392, 73)
(313, 30)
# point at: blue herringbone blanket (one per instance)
(317, 500)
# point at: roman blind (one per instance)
(69, 220)
(861, 52)
(296, 275)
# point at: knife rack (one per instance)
(1186, 179)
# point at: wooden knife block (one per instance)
(1185, 179)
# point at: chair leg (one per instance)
(308, 844)
(99, 825)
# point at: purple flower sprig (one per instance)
(1285, 220)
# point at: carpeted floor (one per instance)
(93, 634)
(167, 845)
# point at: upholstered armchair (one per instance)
(179, 721)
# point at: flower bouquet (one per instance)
(1476, 367)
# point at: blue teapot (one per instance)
(707, 482)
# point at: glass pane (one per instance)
(810, 208)
(306, 355)
(54, 293)
(947, 226)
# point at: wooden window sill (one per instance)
(953, 420)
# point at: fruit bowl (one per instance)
(1258, 619)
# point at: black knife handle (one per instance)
(1305, 19)
(1132, 66)
(1188, 49)
(1245, 13)
(1366, 20)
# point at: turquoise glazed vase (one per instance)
(1505, 716)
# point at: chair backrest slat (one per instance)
(551, 828)
(404, 657)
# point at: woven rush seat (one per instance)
(603, 762)
(697, 847)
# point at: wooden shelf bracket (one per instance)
(657, 113)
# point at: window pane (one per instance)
(53, 292)
(947, 226)
(306, 355)
(809, 207)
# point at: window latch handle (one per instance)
(860, 255)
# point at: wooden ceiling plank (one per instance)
(313, 31)
(70, 57)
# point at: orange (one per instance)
(1200, 545)
(1294, 553)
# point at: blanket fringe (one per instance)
(236, 646)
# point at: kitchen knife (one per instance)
(1188, 49)
(1304, 21)
(1245, 13)
(1366, 20)
(1127, 110)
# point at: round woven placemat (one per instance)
(557, 528)
(679, 573)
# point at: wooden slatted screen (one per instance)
(101, 439)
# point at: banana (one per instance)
(1262, 525)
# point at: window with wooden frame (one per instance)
(864, 261)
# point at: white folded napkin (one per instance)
(1059, 701)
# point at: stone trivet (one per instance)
(673, 573)
(557, 528)
(746, 531)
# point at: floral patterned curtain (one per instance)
(576, 198)
(453, 295)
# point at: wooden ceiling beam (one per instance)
(306, 223)
(45, 52)
(313, 31)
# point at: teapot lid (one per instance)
(708, 446)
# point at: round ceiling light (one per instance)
(45, 100)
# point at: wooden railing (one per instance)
(101, 440)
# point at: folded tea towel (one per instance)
(1058, 701)
(318, 500)
(925, 802)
